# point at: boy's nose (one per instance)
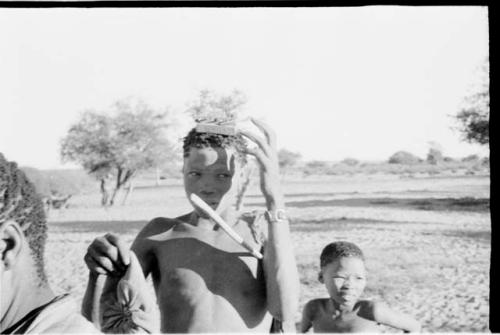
(207, 191)
(347, 283)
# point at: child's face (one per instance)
(208, 173)
(345, 279)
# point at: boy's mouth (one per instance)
(347, 295)
(211, 203)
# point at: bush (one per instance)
(434, 156)
(39, 180)
(350, 161)
(58, 182)
(470, 158)
(404, 157)
(316, 167)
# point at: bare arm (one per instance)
(113, 282)
(106, 256)
(389, 317)
(282, 280)
(307, 316)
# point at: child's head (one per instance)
(23, 232)
(343, 272)
(211, 164)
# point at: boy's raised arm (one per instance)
(282, 280)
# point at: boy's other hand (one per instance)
(267, 156)
(108, 255)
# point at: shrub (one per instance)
(317, 167)
(470, 158)
(58, 182)
(350, 161)
(434, 156)
(39, 179)
(404, 157)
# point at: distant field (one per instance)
(426, 239)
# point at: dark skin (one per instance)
(18, 276)
(325, 317)
(343, 312)
(204, 281)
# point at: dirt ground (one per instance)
(426, 240)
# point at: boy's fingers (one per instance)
(270, 135)
(257, 140)
(101, 246)
(261, 158)
(99, 260)
(93, 266)
(123, 250)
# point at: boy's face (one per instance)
(210, 174)
(345, 280)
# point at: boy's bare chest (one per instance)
(196, 260)
(351, 323)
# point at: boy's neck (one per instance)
(22, 304)
(228, 215)
(342, 309)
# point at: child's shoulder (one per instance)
(161, 224)
(314, 305)
(371, 309)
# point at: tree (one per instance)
(350, 161)
(435, 154)
(114, 146)
(404, 157)
(473, 117)
(223, 109)
(287, 158)
(217, 108)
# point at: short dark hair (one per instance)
(202, 140)
(20, 202)
(339, 249)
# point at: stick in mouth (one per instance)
(227, 229)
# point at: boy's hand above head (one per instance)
(267, 156)
(108, 255)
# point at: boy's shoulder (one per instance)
(315, 305)
(371, 309)
(161, 224)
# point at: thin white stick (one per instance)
(220, 221)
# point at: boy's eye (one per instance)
(193, 174)
(224, 175)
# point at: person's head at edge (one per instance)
(211, 167)
(342, 271)
(23, 232)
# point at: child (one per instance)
(27, 302)
(204, 281)
(343, 273)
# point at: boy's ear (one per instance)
(320, 277)
(11, 243)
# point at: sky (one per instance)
(361, 82)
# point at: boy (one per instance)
(27, 304)
(343, 273)
(204, 281)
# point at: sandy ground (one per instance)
(432, 264)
